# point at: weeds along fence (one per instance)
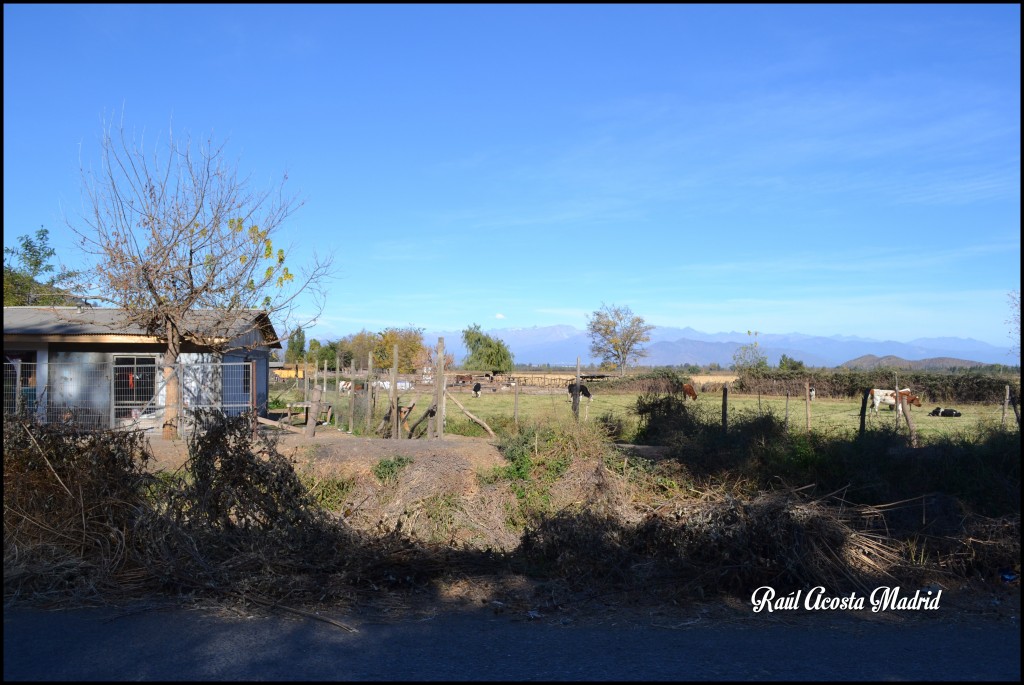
(131, 396)
(930, 386)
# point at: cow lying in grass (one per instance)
(939, 411)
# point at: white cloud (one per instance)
(499, 316)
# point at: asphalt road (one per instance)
(182, 644)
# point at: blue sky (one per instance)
(830, 169)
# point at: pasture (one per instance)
(497, 407)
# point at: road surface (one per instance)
(140, 643)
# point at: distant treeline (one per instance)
(931, 386)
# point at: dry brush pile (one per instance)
(85, 520)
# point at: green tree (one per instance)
(29, 278)
(787, 363)
(410, 348)
(485, 352)
(344, 352)
(327, 352)
(296, 351)
(750, 356)
(355, 348)
(617, 336)
(313, 353)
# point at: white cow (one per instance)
(888, 397)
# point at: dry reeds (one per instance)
(85, 521)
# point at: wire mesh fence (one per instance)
(127, 392)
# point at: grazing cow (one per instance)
(476, 390)
(463, 380)
(812, 393)
(877, 397)
(939, 411)
(688, 391)
(583, 391)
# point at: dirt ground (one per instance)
(347, 454)
(450, 468)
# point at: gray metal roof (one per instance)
(72, 321)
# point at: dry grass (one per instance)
(84, 521)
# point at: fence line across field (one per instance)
(104, 395)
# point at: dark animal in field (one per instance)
(688, 391)
(811, 393)
(583, 391)
(476, 390)
(939, 411)
(463, 380)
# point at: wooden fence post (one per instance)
(369, 393)
(896, 379)
(352, 405)
(314, 412)
(396, 424)
(439, 398)
(807, 403)
(787, 410)
(1006, 403)
(515, 404)
(906, 414)
(864, 410)
(576, 393)
(725, 407)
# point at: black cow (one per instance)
(939, 411)
(583, 391)
(476, 390)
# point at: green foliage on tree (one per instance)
(617, 336)
(313, 353)
(355, 348)
(749, 357)
(410, 348)
(323, 352)
(296, 351)
(787, 363)
(485, 352)
(29, 278)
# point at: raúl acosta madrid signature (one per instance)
(882, 598)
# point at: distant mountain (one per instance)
(560, 345)
(870, 361)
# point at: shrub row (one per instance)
(936, 387)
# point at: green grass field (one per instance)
(826, 415)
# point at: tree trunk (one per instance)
(172, 390)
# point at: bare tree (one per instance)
(177, 232)
(616, 335)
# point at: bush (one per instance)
(387, 470)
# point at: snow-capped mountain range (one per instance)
(560, 345)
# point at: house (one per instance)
(88, 366)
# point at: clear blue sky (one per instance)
(827, 169)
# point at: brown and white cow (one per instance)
(888, 397)
(688, 391)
